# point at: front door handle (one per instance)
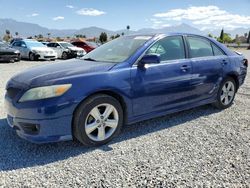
(185, 68)
(224, 62)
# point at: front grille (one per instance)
(12, 92)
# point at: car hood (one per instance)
(8, 50)
(43, 49)
(48, 74)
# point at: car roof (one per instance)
(166, 34)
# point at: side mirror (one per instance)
(149, 59)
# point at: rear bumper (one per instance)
(38, 125)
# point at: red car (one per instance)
(87, 46)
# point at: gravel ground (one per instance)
(199, 147)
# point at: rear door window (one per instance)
(217, 50)
(199, 47)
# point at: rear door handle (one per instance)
(185, 68)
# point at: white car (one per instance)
(34, 50)
(66, 50)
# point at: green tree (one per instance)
(58, 39)
(238, 43)
(40, 36)
(103, 37)
(128, 28)
(16, 33)
(222, 35)
(248, 38)
(117, 36)
(48, 34)
(227, 38)
(122, 34)
(210, 35)
(112, 37)
(80, 36)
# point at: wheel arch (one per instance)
(111, 93)
(235, 77)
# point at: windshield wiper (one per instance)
(89, 59)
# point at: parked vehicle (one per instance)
(34, 50)
(45, 43)
(126, 80)
(8, 54)
(87, 46)
(15, 39)
(66, 50)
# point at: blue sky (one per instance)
(116, 14)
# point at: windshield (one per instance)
(117, 50)
(66, 45)
(34, 44)
(3, 45)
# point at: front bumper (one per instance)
(40, 123)
(46, 55)
(13, 57)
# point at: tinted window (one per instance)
(199, 47)
(50, 45)
(217, 50)
(169, 48)
(23, 44)
(17, 43)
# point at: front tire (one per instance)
(64, 55)
(97, 120)
(32, 57)
(226, 94)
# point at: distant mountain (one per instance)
(29, 29)
(182, 28)
(25, 29)
(94, 31)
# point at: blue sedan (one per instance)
(130, 79)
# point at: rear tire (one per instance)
(97, 120)
(226, 94)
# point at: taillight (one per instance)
(245, 62)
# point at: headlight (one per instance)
(45, 92)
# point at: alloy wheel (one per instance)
(227, 93)
(101, 122)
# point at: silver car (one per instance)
(34, 50)
(66, 50)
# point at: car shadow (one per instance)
(16, 153)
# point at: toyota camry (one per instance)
(129, 79)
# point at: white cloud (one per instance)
(33, 15)
(90, 12)
(58, 18)
(206, 17)
(70, 6)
